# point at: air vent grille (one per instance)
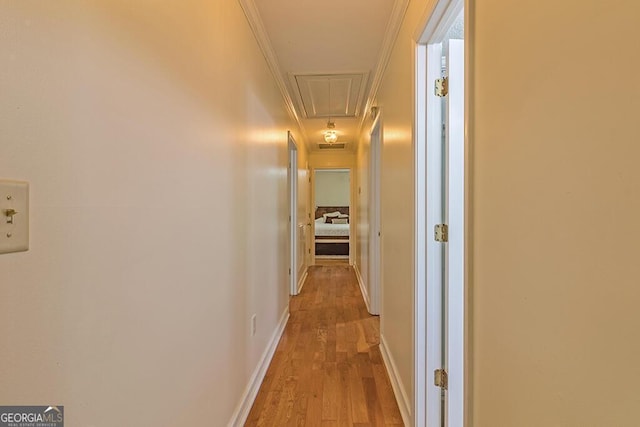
(330, 146)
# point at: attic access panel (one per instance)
(330, 95)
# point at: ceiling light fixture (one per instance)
(330, 136)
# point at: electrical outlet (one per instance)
(253, 325)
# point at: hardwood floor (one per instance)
(327, 370)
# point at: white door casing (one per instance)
(375, 232)
(292, 183)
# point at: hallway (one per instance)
(327, 369)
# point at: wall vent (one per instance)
(330, 146)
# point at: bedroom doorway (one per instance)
(332, 225)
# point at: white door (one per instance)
(454, 248)
(444, 347)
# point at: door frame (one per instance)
(292, 185)
(312, 215)
(375, 222)
(432, 28)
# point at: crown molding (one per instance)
(391, 34)
(257, 26)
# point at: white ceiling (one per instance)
(316, 39)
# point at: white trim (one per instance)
(420, 159)
(363, 288)
(391, 34)
(375, 213)
(303, 277)
(455, 219)
(469, 28)
(241, 413)
(396, 383)
(292, 183)
(436, 21)
(257, 26)
(337, 257)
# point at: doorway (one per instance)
(373, 291)
(292, 184)
(440, 218)
(332, 214)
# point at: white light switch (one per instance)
(14, 216)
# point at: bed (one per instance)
(332, 231)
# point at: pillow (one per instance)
(340, 221)
(320, 220)
(343, 216)
(327, 217)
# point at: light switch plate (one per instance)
(14, 216)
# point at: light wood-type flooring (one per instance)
(327, 370)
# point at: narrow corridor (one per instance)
(327, 369)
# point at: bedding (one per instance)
(332, 231)
(323, 229)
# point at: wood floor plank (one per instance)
(330, 392)
(358, 401)
(327, 370)
(314, 402)
(385, 394)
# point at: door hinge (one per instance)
(441, 233)
(440, 378)
(442, 87)
(289, 272)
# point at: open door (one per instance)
(440, 222)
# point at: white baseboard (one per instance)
(396, 383)
(302, 279)
(241, 413)
(363, 288)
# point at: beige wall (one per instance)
(333, 188)
(395, 99)
(154, 139)
(362, 191)
(331, 160)
(555, 170)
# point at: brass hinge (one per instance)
(441, 233)
(440, 378)
(442, 87)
